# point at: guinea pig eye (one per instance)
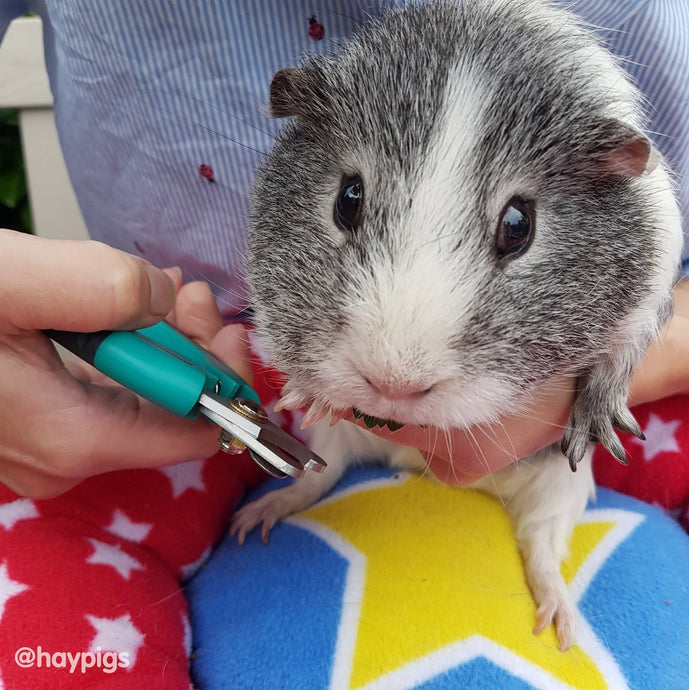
(515, 228)
(348, 203)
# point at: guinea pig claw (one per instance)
(573, 447)
(315, 413)
(336, 416)
(607, 438)
(628, 425)
(617, 451)
(290, 400)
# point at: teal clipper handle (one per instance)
(158, 363)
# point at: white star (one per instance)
(190, 568)
(21, 509)
(107, 554)
(123, 527)
(116, 635)
(186, 475)
(660, 437)
(8, 588)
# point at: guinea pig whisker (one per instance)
(349, 16)
(541, 420)
(435, 440)
(512, 450)
(209, 104)
(202, 276)
(491, 435)
(484, 461)
(440, 238)
(426, 468)
(430, 449)
(656, 135)
(219, 134)
(448, 444)
(241, 296)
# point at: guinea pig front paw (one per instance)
(594, 417)
(265, 511)
(273, 507)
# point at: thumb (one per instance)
(77, 286)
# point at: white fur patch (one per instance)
(410, 306)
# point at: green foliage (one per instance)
(14, 200)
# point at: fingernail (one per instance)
(162, 291)
(176, 272)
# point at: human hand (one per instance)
(60, 424)
(665, 369)
(460, 457)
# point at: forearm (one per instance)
(665, 369)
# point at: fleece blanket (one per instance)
(393, 581)
(390, 582)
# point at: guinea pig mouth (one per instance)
(371, 422)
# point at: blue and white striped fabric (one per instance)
(148, 91)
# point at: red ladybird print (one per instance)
(316, 29)
(207, 172)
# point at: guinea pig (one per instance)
(462, 206)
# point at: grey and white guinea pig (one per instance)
(463, 205)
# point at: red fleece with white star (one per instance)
(91, 582)
(658, 470)
(100, 569)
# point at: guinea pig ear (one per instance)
(287, 92)
(628, 153)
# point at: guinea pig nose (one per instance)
(399, 390)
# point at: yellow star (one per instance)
(435, 578)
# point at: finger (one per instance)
(196, 313)
(77, 285)
(231, 346)
(664, 370)
(116, 430)
(175, 274)
(447, 472)
(681, 298)
(71, 429)
(31, 483)
(84, 371)
(103, 448)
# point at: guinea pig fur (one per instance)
(463, 205)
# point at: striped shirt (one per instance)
(160, 107)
